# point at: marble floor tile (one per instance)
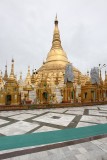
(30, 112)
(58, 110)
(82, 150)
(84, 124)
(2, 121)
(46, 129)
(21, 116)
(93, 119)
(103, 147)
(103, 107)
(97, 113)
(37, 112)
(63, 119)
(97, 142)
(81, 157)
(9, 113)
(76, 112)
(103, 140)
(76, 109)
(17, 128)
(91, 107)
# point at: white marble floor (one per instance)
(3, 121)
(55, 118)
(41, 120)
(17, 128)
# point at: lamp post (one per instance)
(102, 66)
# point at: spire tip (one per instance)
(56, 17)
(56, 20)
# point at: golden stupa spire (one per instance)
(105, 77)
(28, 77)
(12, 70)
(20, 75)
(5, 74)
(56, 55)
(28, 73)
(33, 77)
(56, 43)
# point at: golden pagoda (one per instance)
(54, 68)
(56, 61)
(50, 83)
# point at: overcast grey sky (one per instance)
(26, 31)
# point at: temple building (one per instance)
(51, 73)
(9, 94)
(56, 81)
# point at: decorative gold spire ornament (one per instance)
(56, 54)
(56, 43)
(6, 74)
(12, 76)
(33, 77)
(28, 77)
(105, 77)
(20, 75)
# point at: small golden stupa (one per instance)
(10, 93)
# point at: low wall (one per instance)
(45, 106)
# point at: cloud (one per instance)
(26, 31)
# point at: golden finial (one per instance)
(12, 76)
(56, 17)
(5, 74)
(56, 43)
(87, 72)
(12, 60)
(56, 20)
(20, 75)
(28, 68)
(28, 73)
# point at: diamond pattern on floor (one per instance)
(24, 121)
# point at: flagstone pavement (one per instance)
(42, 120)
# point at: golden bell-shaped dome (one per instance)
(56, 62)
(56, 54)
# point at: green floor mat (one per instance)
(34, 139)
